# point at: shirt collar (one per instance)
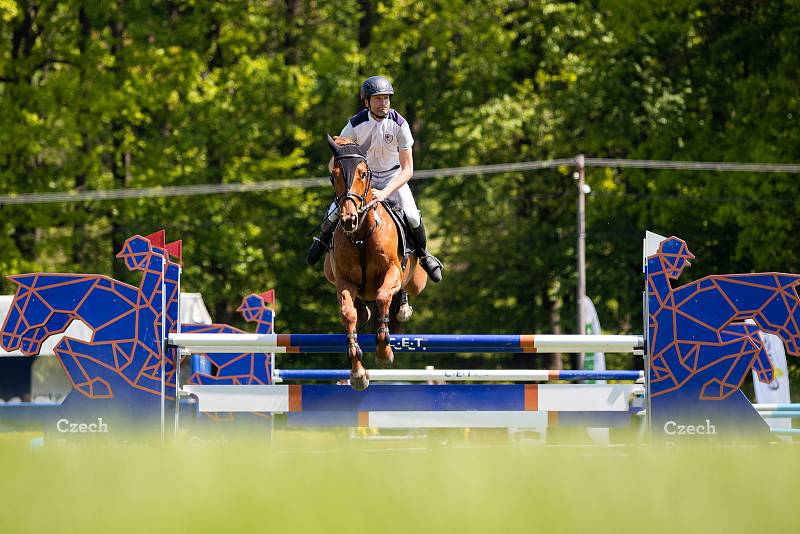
(373, 119)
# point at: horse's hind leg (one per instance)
(363, 311)
(391, 285)
(765, 370)
(417, 281)
(358, 375)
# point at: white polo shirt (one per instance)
(382, 141)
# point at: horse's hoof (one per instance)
(355, 352)
(403, 315)
(385, 363)
(359, 382)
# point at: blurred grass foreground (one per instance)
(311, 483)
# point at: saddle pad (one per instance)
(404, 246)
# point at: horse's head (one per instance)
(783, 311)
(252, 307)
(136, 252)
(30, 319)
(15, 324)
(675, 256)
(352, 181)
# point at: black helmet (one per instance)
(375, 85)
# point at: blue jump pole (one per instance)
(459, 375)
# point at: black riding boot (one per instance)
(322, 243)
(428, 261)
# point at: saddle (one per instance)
(405, 247)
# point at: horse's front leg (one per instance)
(391, 285)
(347, 292)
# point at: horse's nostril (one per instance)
(349, 223)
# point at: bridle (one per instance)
(348, 164)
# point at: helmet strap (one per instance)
(369, 101)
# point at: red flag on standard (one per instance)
(175, 249)
(157, 239)
(269, 297)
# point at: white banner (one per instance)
(593, 361)
(776, 391)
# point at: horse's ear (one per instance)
(332, 144)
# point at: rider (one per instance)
(386, 137)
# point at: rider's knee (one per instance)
(414, 218)
(333, 215)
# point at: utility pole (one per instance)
(583, 189)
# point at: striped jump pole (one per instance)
(538, 406)
(457, 375)
(337, 343)
(779, 415)
(415, 397)
(781, 407)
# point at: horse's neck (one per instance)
(150, 286)
(659, 287)
(172, 283)
(368, 226)
(264, 321)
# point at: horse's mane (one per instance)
(345, 146)
(343, 141)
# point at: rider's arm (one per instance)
(402, 178)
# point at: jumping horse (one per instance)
(364, 262)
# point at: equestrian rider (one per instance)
(386, 137)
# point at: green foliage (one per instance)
(133, 95)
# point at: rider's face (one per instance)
(379, 106)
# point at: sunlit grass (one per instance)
(323, 482)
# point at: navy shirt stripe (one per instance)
(396, 117)
(360, 117)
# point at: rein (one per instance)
(359, 201)
(362, 208)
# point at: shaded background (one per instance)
(128, 94)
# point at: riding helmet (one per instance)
(375, 85)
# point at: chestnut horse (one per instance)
(363, 262)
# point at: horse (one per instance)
(125, 322)
(364, 263)
(705, 333)
(246, 368)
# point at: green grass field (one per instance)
(316, 482)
